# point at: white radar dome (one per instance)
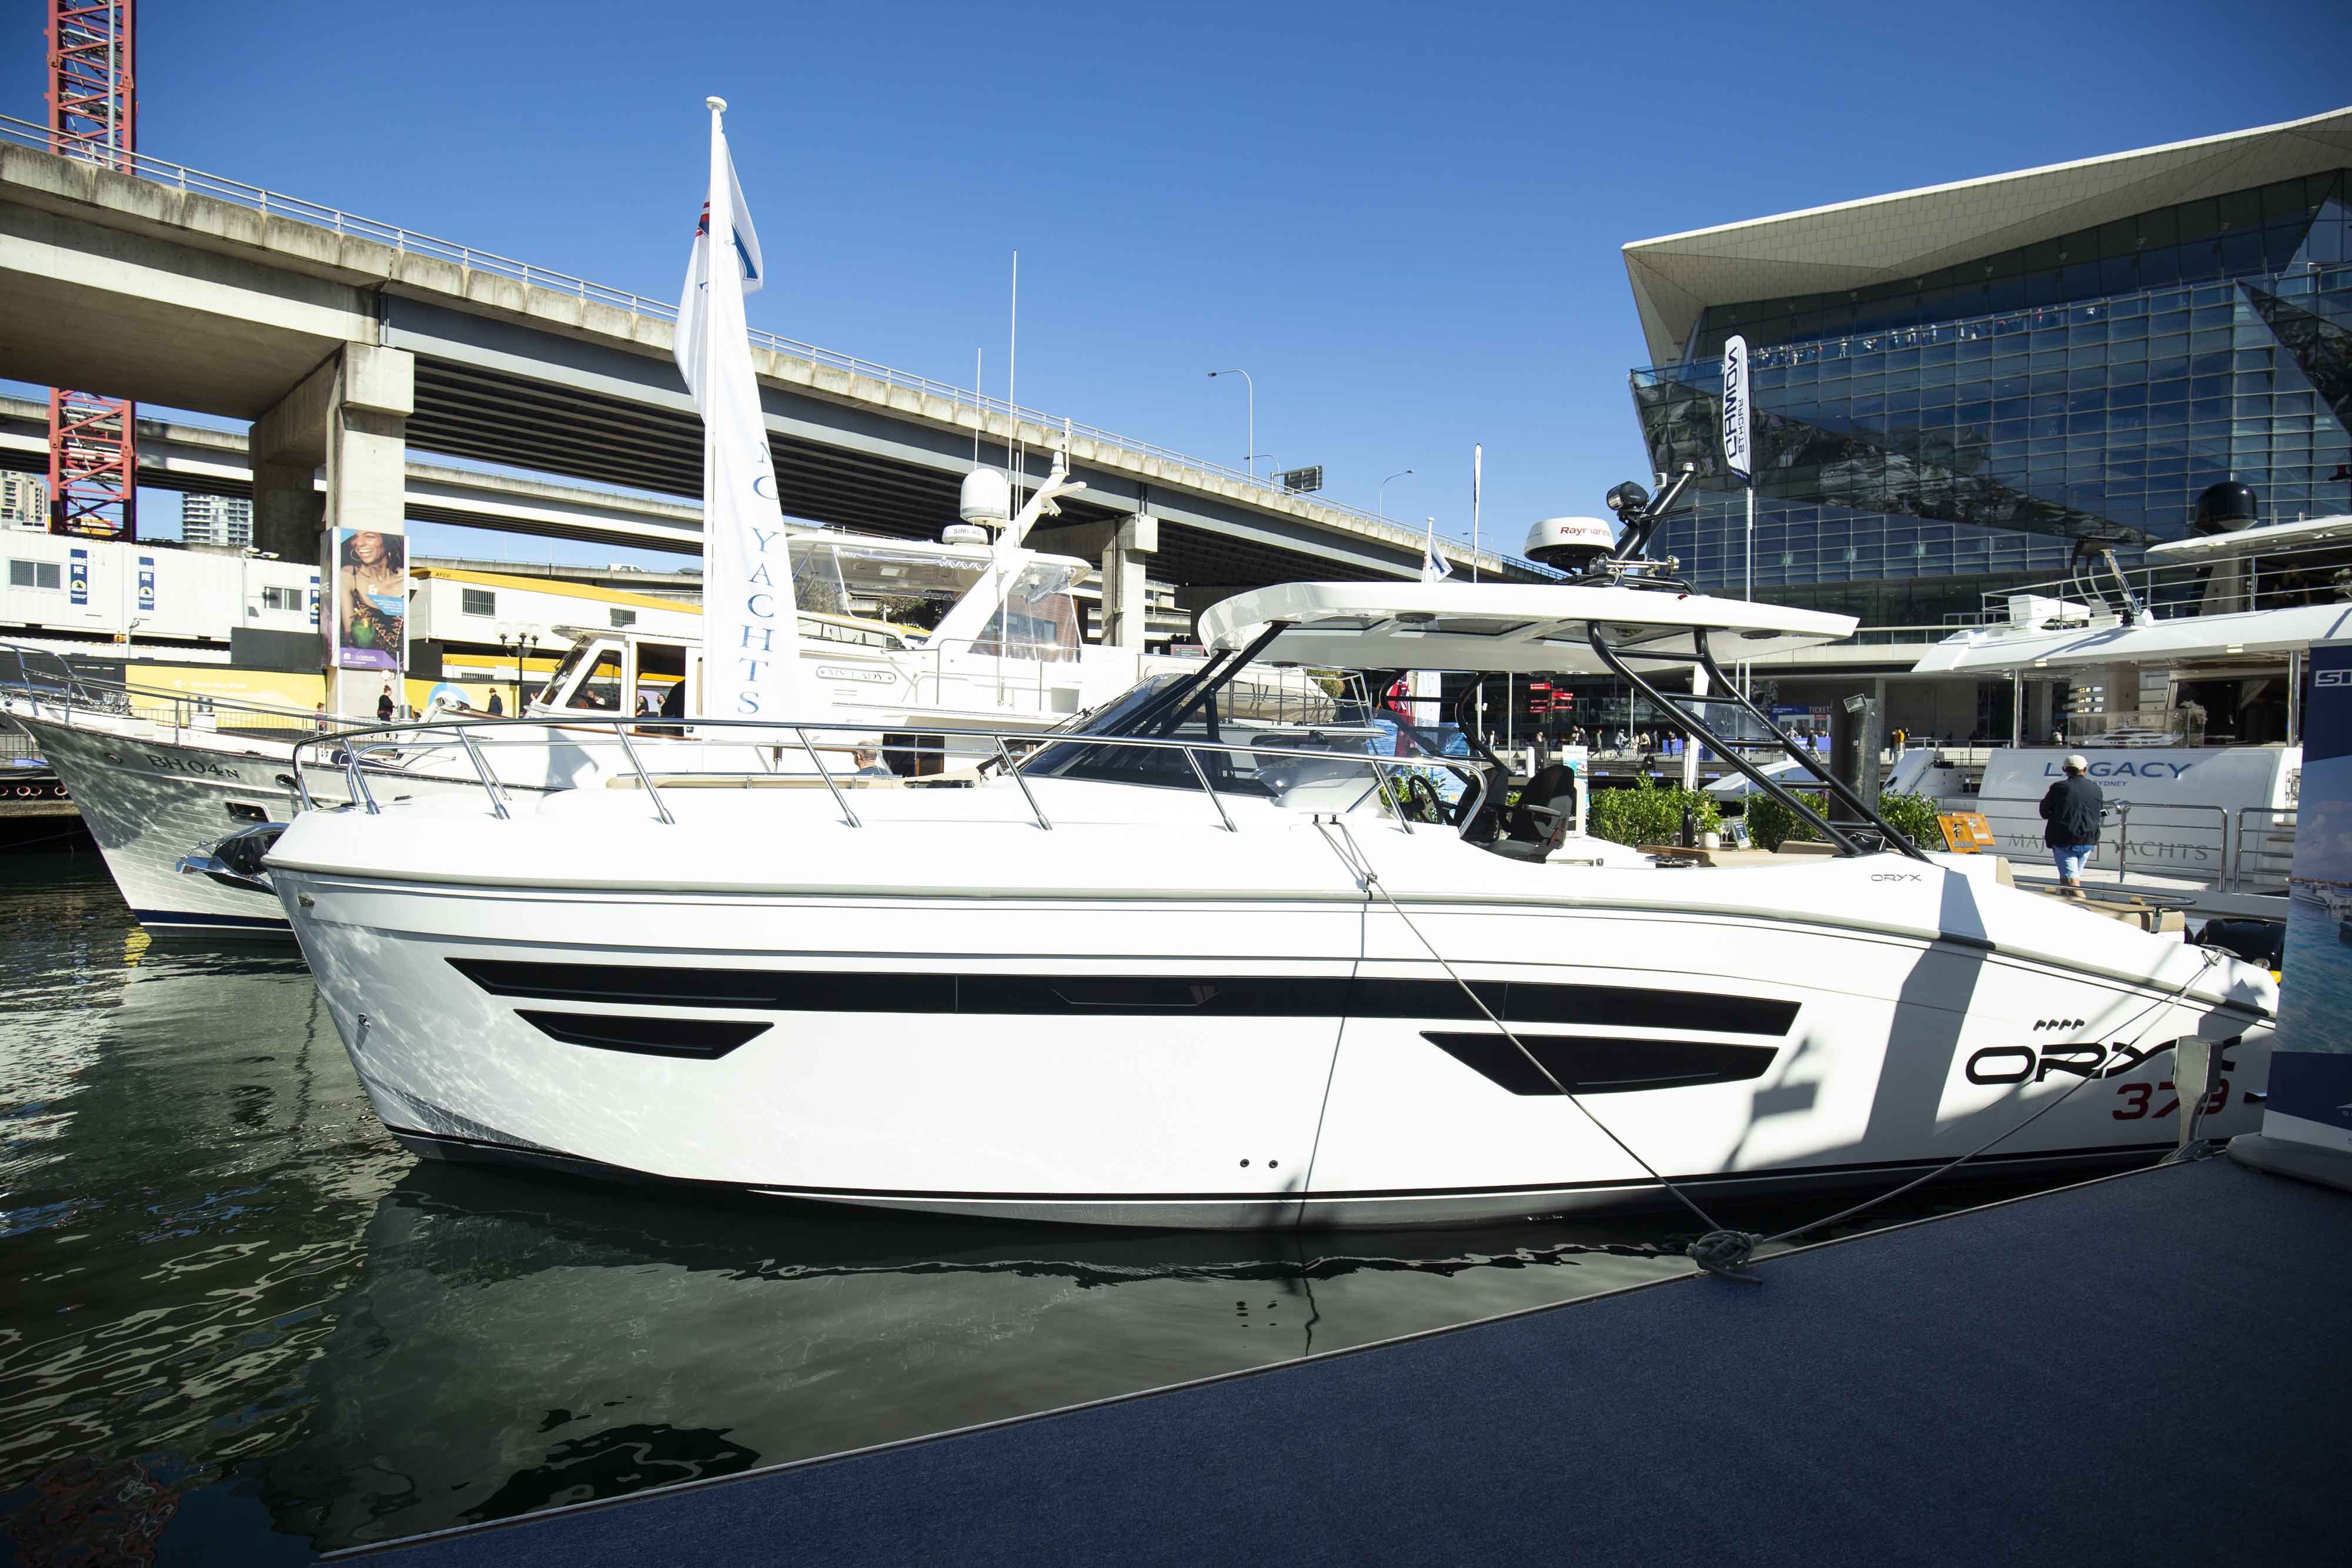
(964, 534)
(1572, 544)
(987, 497)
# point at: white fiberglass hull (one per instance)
(1171, 1023)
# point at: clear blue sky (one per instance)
(1403, 221)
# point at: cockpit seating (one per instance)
(1547, 809)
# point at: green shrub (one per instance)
(1771, 825)
(1913, 816)
(1648, 814)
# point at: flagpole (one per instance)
(1477, 462)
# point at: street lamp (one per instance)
(1252, 457)
(518, 641)
(1382, 508)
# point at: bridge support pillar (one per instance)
(1119, 547)
(1123, 598)
(350, 417)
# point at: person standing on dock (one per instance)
(2074, 808)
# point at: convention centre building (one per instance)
(1970, 387)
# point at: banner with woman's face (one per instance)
(369, 623)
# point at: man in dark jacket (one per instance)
(2074, 808)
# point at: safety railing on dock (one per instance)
(1013, 754)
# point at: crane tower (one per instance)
(93, 114)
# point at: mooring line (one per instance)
(1721, 1251)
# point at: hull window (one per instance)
(1585, 1064)
(702, 1039)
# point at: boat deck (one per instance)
(2151, 1369)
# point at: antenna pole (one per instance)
(1012, 403)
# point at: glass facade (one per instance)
(1900, 441)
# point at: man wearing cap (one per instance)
(2074, 808)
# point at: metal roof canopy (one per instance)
(1500, 628)
(1854, 244)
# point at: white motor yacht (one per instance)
(159, 774)
(2184, 679)
(1152, 971)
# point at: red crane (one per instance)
(93, 114)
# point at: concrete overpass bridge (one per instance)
(198, 459)
(347, 341)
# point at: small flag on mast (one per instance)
(1434, 566)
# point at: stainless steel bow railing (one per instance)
(48, 681)
(353, 749)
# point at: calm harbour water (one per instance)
(240, 1325)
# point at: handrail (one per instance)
(2233, 830)
(409, 242)
(355, 754)
(2185, 590)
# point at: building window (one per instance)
(43, 574)
(624, 618)
(281, 599)
(477, 602)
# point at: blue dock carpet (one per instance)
(2149, 1370)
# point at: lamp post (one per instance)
(518, 641)
(1382, 507)
(1245, 375)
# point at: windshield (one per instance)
(877, 581)
(1039, 617)
(1193, 705)
(565, 670)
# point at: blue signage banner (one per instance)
(314, 600)
(2311, 1071)
(146, 583)
(77, 577)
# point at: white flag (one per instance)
(1736, 417)
(752, 646)
(1434, 566)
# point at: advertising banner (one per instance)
(2311, 1069)
(146, 583)
(1736, 419)
(77, 577)
(750, 633)
(370, 625)
(314, 600)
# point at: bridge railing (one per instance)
(409, 242)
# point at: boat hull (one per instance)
(1137, 1057)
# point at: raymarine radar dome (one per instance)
(1570, 544)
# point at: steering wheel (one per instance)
(1422, 802)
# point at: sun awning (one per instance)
(1499, 628)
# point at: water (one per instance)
(240, 1325)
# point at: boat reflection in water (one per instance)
(516, 1343)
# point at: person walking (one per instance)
(2074, 808)
(383, 704)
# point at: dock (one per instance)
(2151, 1369)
